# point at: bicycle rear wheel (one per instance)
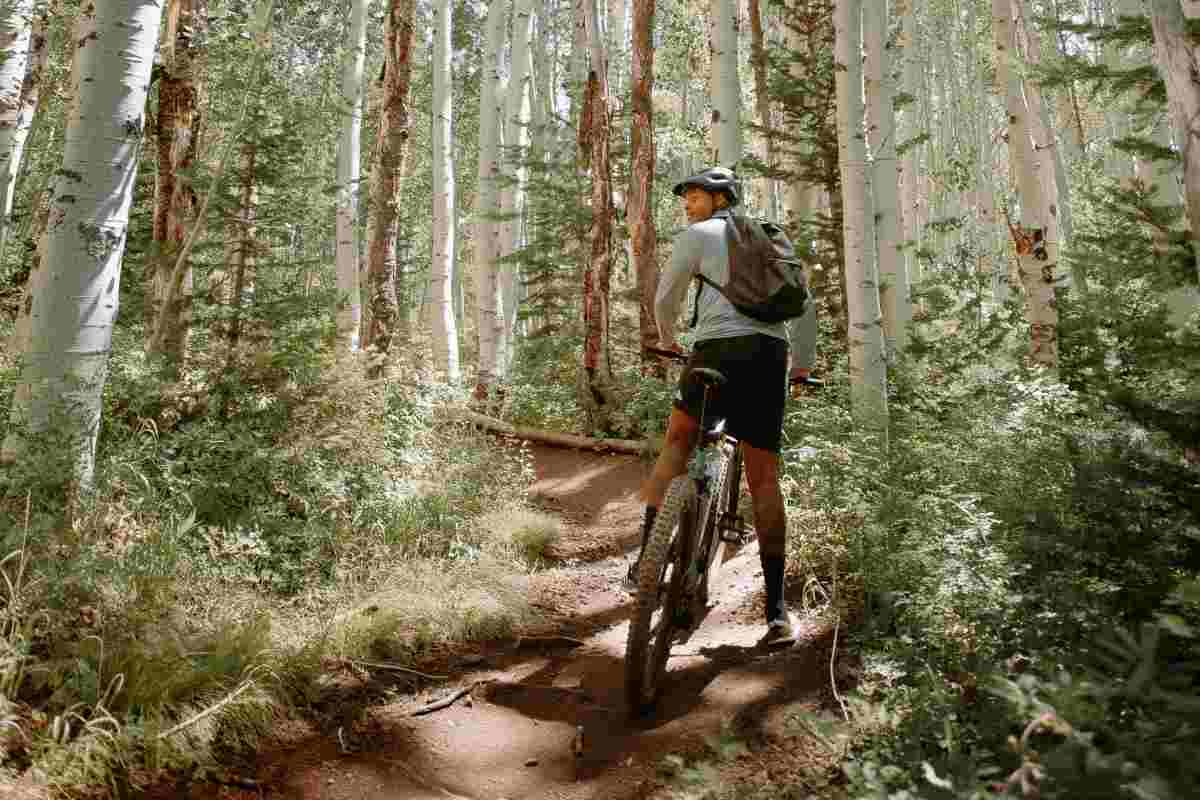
(660, 592)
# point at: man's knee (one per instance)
(681, 430)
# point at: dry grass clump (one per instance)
(522, 533)
(431, 602)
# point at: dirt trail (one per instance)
(513, 736)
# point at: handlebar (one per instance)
(675, 355)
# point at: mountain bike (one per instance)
(697, 519)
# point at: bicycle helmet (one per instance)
(715, 180)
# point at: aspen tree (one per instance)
(765, 142)
(881, 133)
(16, 61)
(516, 142)
(75, 295)
(907, 131)
(445, 332)
(489, 308)
(642, 232)
(727, 90)
(1052, 170)
(1035, 232)
(868, 373)
(349, 302)
(29, 101)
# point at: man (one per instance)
(753, 356)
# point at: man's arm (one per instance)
(802, 336)
(673, 284)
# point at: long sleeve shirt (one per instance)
(702, 248)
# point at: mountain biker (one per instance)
(752, 355)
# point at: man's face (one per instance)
(698, 203)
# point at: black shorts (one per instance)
(753, 397)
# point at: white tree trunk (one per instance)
(727, 91)
(868, 373)
(74, 301)
(16, 27)
(489, 308)
(893, 288)
(349, 304)
(516, 142)
(445, 333)
(1052, 170)
(910, 80)
(1035, 236)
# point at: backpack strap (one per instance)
(701, 280)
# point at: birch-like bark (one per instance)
(907, 131)
(764, 141)
(597, 391)
(881, 131)
(578, 66)
(1035, 235)
(30, 97)
(349, 156)
(868, 372)
(1052, 170)
(444, 329)
(516, 143)
(76, 293)
(545, 65)
(386, 178)
(175, 199)
(16, 61)
(1177, 61)
(727, 92)
(642, 233)
(489, 308)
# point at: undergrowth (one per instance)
(249, 528)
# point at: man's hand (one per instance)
(673, 346)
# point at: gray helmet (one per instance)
(715, 180)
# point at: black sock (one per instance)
(647, 524)
(773, 569)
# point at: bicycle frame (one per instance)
(715, 452)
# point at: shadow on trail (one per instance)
(584, 485)
(723, 684)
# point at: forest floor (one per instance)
(512, 734)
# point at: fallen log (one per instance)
(635, 447)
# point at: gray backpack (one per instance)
(766, 280)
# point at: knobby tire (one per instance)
(718, 502)
(660, 588)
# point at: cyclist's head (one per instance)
(717, 181)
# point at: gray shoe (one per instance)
(780, 631)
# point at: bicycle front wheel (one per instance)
(660, 593)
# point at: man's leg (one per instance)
(682, 430)
(770, 524)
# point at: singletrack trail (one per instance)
(513, 735)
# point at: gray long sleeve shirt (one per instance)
(702, 248)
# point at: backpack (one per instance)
(766, 280)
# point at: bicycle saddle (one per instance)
(709, 377)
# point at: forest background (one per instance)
(998, 491)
